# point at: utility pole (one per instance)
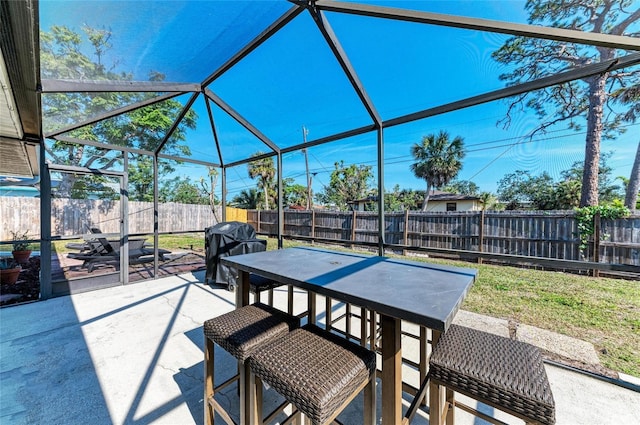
(306, 164)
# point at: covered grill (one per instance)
(226, 239)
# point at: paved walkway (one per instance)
(133, 355)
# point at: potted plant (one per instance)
(9, 271)
(21, 248)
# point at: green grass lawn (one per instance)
(602, 311)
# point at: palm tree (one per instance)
(438, 161)
(265, 171)
(247, 199)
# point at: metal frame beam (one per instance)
(76, 169)
(114, 113)
(343, 59)
(176, 123)
(214, 130)
(502, 27)
(575, 74)
(338, 136)
(250, 159)
(127, 149)
(189, 160)
(586, 71)
(117, 86)
(106, 146)
(241, 120)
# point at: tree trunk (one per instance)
(426, 198)
(266, 197)
(69, 179)
(634, 183)
(597, 98)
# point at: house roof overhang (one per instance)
(20, 118)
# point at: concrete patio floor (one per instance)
(133, 355)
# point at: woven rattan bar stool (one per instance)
(239, 332)
(503, 373)
(318, 372)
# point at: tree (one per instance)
(62, 58)
(347, 183)
(209, 188)
(294, 194)
(248, 199)
(593, 98)
(264, 170)
(402, 199)
(462, 187)
(182, 190)
(520, 188)
(438, 161)
(489, 201)
(608, 191)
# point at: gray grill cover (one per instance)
(224, 240)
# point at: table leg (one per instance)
(391, 371)
(243, 289)
(312, 311)
(435, 391)
(423, 366)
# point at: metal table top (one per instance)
(421, 293)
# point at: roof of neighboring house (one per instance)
(446, 196)
(436, 195)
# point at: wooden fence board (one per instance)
(76, 216)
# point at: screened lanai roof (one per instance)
(248, 74)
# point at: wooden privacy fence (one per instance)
(542, 234)
(77, 216)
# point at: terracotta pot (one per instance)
(21, 257)
(10, 276)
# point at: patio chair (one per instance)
(239, 332)
(84, 246)
(103, 251)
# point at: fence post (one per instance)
(481, 235)
(353, 227)
(405, 233)
(596, 242)
(258, 226)
(313, 226)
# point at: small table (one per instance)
(425, 294)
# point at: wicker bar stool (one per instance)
(503, 373)
(317, 371)
(239, 332)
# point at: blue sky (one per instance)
(294, 81)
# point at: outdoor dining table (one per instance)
(425, 294)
